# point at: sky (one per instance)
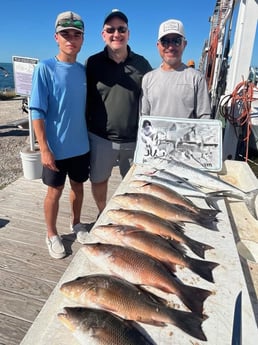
(27, 26)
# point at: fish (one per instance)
(156, 246)
(177, 185)
(130, 302)
(100, 327)
(170, 196)
(163, 209)
(142, 269)
(212, 182)
(158, 226)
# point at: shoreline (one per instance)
(12, 139)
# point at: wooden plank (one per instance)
(19, 306)
(28, 274)
(26, 285)
(12, 330)
(10, 264)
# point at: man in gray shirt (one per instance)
(173, 89)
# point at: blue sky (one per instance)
(27, 26)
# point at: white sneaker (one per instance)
(55, 247)
(80, 231)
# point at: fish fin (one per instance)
(250, 202)
(188, 322)
(202, 268)
(177, 246)
(193, 297)
(155, 298)
(177, 226)
(170, 266)
(198, 248)
(211, 203)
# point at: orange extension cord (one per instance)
(239, 103)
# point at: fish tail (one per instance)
(203, 268)
(198, 248)
(188, 322)
(205, 212)
(193, 297)
(206, 221)
(250, 202)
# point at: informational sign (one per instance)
(23, 68)
(195, 142)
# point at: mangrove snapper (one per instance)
(170, 196)
(130, 302)
(156, 246)
(142, 269)
(99, 327)
(163, 209)
(158, 226)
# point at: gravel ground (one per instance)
(14, 135)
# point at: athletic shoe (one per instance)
(81, 232)
(55, 247)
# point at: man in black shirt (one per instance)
(114, 78)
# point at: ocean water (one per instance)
(6, 82)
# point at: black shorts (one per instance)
(77, 169)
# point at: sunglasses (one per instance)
(166, 42)
(120, 29)
(65, 23)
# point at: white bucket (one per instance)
(31, 163)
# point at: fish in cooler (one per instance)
(158, 226)
(99, 327)
(163, 209)
(156, 246)
(142, 269)
(130, 302)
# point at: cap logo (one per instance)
(171, 26)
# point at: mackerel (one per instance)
(212, 182)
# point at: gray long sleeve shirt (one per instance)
(180, 93)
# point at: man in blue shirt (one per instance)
(57, 104)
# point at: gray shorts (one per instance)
(106, 154)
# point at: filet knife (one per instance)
(237, 322)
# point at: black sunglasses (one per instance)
(166, 42)
(120, 29)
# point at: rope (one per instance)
(236, 108)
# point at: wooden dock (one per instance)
(28, 274)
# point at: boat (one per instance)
(232, 81)
(230, 279)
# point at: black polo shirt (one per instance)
(113, 91)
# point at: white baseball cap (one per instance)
(171, 26)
